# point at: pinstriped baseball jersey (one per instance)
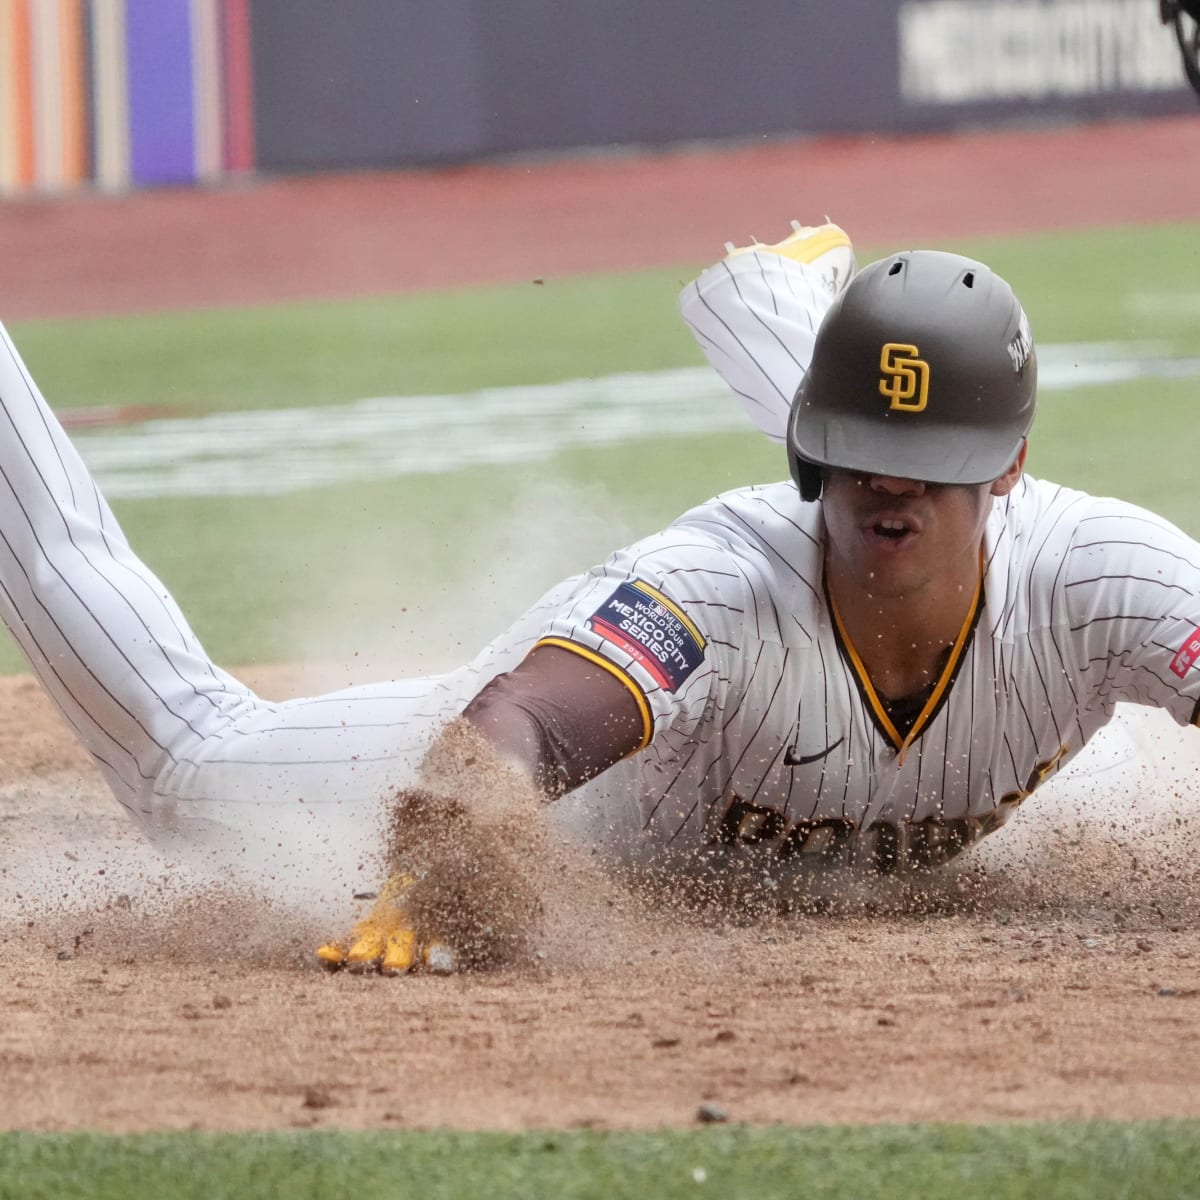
(773, 740)
(763, 736)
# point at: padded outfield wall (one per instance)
(116, 94)
(402, 82)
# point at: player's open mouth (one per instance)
(890, 532)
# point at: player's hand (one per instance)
(386, 940)
(467, 862)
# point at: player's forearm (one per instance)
(540, 749)
(514, 737)
(555, 721)
(520, 737)
(558, 717)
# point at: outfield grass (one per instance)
(1093, 1161)
(1083, 286)
(344, 571)
(328, 352)
(371, 568)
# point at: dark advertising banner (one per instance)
(986, 59)
(396, 82)
(367, 82)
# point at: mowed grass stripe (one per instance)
(1089, 1161)
(264, 452)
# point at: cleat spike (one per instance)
(827, 246)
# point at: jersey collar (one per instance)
(941, 688)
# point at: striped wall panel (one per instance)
(237, 133)
(16, 96)
(117, 94)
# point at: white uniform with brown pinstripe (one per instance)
(764, 739)
(777, 739)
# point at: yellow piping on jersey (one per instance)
(672, 608)
(616, 672)
(935, 697)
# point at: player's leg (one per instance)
(99, 629)
(755, 315)
(193, 754)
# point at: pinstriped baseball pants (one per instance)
(204, 765)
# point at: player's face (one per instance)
(894, 537)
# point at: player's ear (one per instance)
(1008, 481)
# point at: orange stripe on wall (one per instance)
(8, 156)
(72, 80)
(22, 68)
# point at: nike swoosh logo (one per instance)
(790, 758)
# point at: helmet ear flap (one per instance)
(807, 476)
(806, 473)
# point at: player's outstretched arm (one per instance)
(469, 843)
(561, 717)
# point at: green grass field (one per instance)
(1085, 1161)
(358, 573)
(341, 572)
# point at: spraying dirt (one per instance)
(1055, 973)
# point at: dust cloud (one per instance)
(544, 533)
(1116, 832)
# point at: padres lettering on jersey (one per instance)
(772, 743)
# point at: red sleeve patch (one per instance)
(1187, 654)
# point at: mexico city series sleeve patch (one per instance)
(653, 630)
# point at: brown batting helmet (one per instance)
(923, 368)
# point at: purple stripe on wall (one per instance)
(89, 91)
(161, 125)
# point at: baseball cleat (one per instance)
(826, 247)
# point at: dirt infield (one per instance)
(1064, 983)
(1061, 982)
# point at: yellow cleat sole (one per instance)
(805, 245)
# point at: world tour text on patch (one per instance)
(653, 630)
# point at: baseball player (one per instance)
(871, 664)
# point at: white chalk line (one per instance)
(277, 451)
